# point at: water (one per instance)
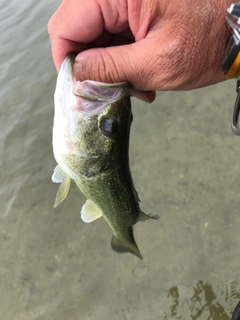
(185, 164)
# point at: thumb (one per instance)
(133, 63)
(149, 64)
(163, 60)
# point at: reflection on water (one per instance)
(205, 301)
(174, 293)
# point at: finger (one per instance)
(70, 29)
(160, 61)
(135, 63)
(79, 22)
(61, 47)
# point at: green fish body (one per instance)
(90, 143)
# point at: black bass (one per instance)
(90, 143)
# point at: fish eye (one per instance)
(110, 127)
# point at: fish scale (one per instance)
(91, 132)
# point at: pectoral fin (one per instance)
(90, 212)
(62, 190)
(58, 175)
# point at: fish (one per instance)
(91, 132)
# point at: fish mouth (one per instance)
(87, 97)
(94, 96)
(100, 91)
(94, 90)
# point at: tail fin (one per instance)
(121, 246)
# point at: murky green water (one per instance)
(185, 164)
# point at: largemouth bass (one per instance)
(90, 143)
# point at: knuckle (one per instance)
(177, 62)
(173, 62)
(107, 67)
(49, 27)
(52, 26)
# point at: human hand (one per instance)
(152, 44)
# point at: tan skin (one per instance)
(153, 44)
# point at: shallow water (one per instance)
(185, 165)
